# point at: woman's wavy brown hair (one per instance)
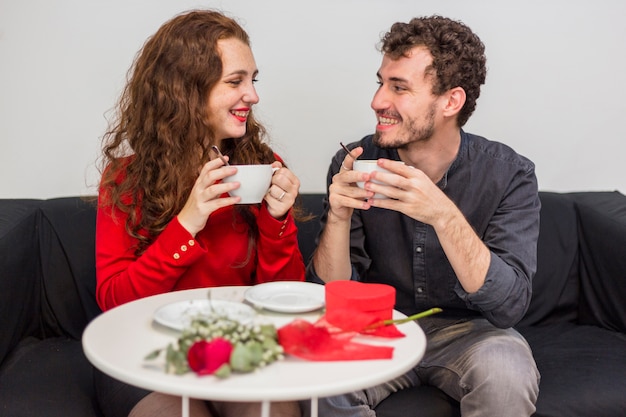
(458, 55)
(160, 137)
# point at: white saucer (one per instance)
(179, 315)
(287, 296)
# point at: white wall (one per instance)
(555, 88)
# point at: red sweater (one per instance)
(177, 261)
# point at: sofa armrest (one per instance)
(602, 240)
(67, 252)
(19, 272)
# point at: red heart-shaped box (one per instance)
(372, 298)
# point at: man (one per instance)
(458, 231)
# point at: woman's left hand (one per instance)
(283, 191)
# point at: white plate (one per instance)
(179, 315)
(287, 296)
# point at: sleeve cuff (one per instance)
(273, 228)
(496, 287)
(177, 245)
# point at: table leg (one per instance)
(185, 405)
(313, 406)
(265, 408)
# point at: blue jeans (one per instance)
(490, 371)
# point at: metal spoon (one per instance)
(348, 151)
(219, 153)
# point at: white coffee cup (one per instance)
(254, 181)
(369, 165)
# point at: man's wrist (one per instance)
(334, 219)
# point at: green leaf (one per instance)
(223, 371)
(153, 355)
(241, 359)
(255, 350)
(269, 344)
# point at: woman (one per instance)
(165, 220)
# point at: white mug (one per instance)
(254, 181)
(369, 165)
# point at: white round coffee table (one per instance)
(117, 342)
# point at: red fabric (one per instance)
(177, 261)
(372, 298)
(350, 320)
(316, 343)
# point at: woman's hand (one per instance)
(204, 198)
(283, 191)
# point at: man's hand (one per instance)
(410, 192)
(343, 194)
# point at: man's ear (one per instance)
(455, 101)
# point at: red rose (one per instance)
(205, 358)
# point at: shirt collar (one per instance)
(443, 182)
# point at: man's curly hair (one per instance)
(458, 55)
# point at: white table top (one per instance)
(117, 342)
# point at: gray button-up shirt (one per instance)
(496, 189)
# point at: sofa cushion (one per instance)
(602, 235)
(555, 285)
(47, 378)
(582, 370)
(423, 401)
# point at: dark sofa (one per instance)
(576, 324)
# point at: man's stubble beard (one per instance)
(413, 133)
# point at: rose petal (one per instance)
(205, 358)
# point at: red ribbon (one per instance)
(329, 339)
(307, 341)
(344, 319)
